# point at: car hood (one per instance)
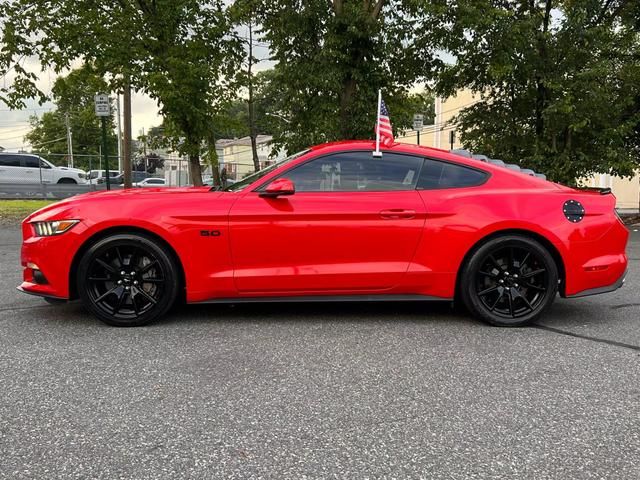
(128, 197)
(69, 169)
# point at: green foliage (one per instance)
(332, 57)
(182, 53)
(74, 97)
(559, 82)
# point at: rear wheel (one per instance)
(127, 280)
(509, 281)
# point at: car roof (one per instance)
(436, 153)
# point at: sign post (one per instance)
(418, 125)
(103, 110)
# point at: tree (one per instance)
(74, 99)
(332, 57)
(558, 81)
(183, 53)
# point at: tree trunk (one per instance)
(346, 98)
(195, 172)
(541, 89)
(213, 161)
(252, 121)
(126, 150)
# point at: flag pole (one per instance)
(377, 152)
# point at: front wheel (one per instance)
(127, 280)
(509, 281)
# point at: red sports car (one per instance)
(333, 223)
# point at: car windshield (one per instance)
(236, 187)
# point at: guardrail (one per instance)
(57, 191)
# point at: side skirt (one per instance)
(328, 298)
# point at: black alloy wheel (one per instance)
(127, 280)
(509, 281)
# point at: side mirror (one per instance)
(280, 186)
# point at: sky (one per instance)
(14, 125)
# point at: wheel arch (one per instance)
(73, 291)
(545, 242)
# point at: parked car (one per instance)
(333, 223)
(97, 177)
(208, 181)
(151, 182)
(29, 168)
(135, 177)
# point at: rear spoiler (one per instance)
(600, 190)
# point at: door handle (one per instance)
(397, 213)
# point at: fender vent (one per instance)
(573, 210)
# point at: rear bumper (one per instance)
(598, 290)
(598, 266)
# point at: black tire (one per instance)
(67, 180)
(127, 280)
(509, 281)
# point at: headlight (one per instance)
(48, 229)
(81, 175)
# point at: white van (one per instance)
(28, 168)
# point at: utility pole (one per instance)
(69, 141)
(119, 126)
(126, 151)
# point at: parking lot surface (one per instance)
(319, 390)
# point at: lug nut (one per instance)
(127, 287)
(133, 273)
(500, 281)
(119, 282)
(123, 272)
(135, 282)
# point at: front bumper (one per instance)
(52, 257)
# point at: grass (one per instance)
(16, 210)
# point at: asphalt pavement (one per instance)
(319, 390)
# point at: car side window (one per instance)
(436, 175)
(9, 161)
(30, 162)
(356, 172)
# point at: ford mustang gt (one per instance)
(333, 223)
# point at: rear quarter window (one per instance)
(437, 175)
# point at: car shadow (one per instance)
(313, 312)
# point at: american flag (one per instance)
(384, 126)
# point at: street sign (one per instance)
(103, 107)
(417, 121)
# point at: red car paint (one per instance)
(336, 243)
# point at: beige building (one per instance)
(442, 134)
(237, 158)
(234, 155)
